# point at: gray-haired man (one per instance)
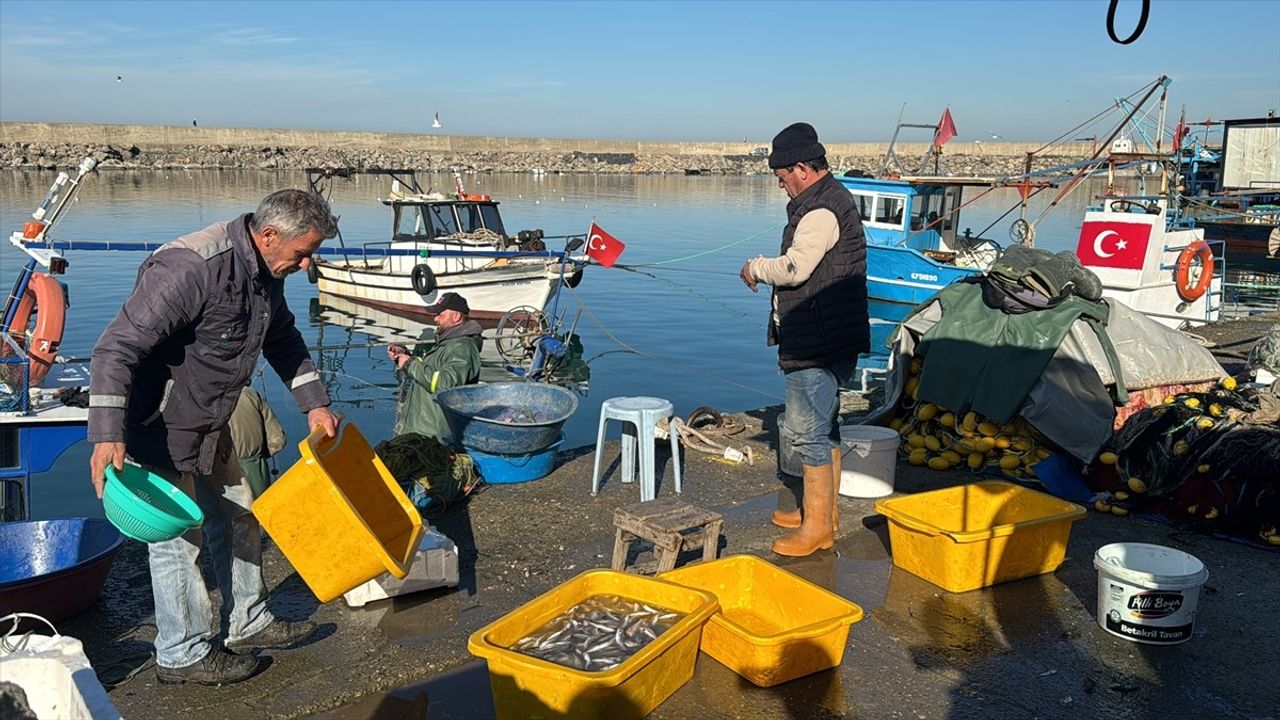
(166, 376)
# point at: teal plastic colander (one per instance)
(146, 507)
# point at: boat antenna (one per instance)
(1161, 82)
(890, 155)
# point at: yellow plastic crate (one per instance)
(972, 536)
(338, 515)
(772, 626)
(527, 687)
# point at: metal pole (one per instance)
(19, 289)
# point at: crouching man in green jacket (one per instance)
(454, 360)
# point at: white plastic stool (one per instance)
(642, 413)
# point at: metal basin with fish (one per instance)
(513, 418)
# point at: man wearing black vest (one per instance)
(819, 323)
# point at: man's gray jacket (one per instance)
(167, 372)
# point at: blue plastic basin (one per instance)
(509, 469)
(54, 568)
(516, 418)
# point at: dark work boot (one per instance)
(276, 636)
(217, 667)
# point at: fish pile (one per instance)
(511, 414)
(597, 634)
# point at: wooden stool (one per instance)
(664, 522)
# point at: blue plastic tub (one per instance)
(514, 418)
(54, 568)
(509, 469)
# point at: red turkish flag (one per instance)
(603, 247)
(946, 129)
(1113, 244)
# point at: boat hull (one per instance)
(490, 293)
(1239, 236)
(55, 568)
(904, 276)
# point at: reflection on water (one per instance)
(344, 328)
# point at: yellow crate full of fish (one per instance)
(772, 626)
(972, 536)
(604, 644)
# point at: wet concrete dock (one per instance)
(1023, 649)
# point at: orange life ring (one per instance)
(45, 298)
(1182, 275)
(475, 196)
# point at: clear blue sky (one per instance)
(1025, 69)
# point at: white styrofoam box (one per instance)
(435, 565)
(57, 678)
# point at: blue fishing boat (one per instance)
(54, 568)
(914, 247)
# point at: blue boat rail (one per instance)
(371, 249)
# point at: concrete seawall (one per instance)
(175, 135)
(57, 145)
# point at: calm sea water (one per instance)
(688, 331)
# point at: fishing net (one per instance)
(429, 471)
(1266, 354)
(1207, 460)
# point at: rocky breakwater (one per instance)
(58, 156)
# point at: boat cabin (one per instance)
(427, 218)
(924, 214)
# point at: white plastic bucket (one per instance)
(1148, 593)
(869, 460)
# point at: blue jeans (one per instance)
(812, 426)
(184, 615)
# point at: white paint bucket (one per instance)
(1148, 593)
(869, 460)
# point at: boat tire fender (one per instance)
(424, 280)
(46, 298)
(1187, 290)
(574, 279)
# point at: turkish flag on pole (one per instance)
(946, 129)
(603, 247)
(1113, 244)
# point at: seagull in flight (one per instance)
(119, 79)
(436, 123)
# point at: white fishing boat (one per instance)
(444, 243)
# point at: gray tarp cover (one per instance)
(1070, 404)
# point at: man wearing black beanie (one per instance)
(819, 323)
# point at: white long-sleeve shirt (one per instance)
(816, 234)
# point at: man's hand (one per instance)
(103, 453)
(394, 351)
(323, 417)
(747, 278)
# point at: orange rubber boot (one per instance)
(815, 529)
